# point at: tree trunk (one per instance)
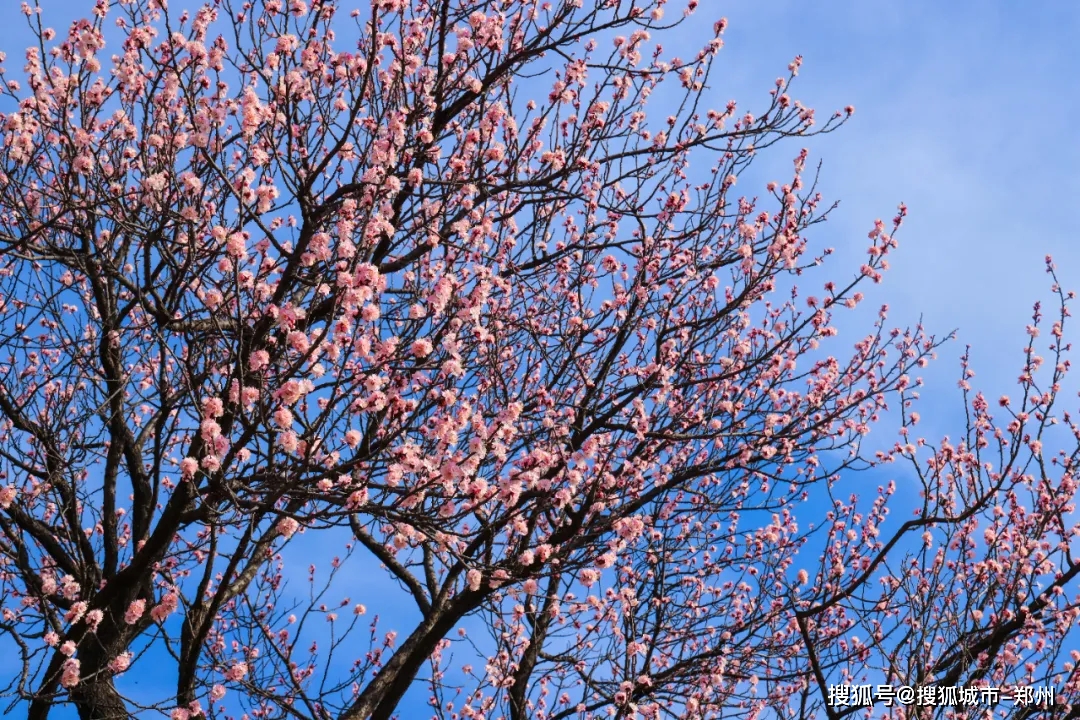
(98, 699)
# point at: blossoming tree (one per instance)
(426, 279)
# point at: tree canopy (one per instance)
(468, 292)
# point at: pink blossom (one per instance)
(7, 496)
(209, 429)
(70, 588)
(93, 619)
(259, 359)
(249, 395)
(298, 341)
(367, 274)
(76, 612)
(474, 577)
(217, 692)
(188, 467)
(155, 183)
(213, 407)
(288, 526)
(237, 672)
(70, 676)
(191, 182)
(606, 560)
(440, 295)
(452, 367)
(120, 663)
(135, 611)
(236, 245)
(421, 348)
(165, 608)
(629, 528)
(283, 418)
(68, 648)
(288, 441)
(292, 391)
(252, 112)
(358, 499)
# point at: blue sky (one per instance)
(965, 111)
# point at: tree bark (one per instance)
(98, 699)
